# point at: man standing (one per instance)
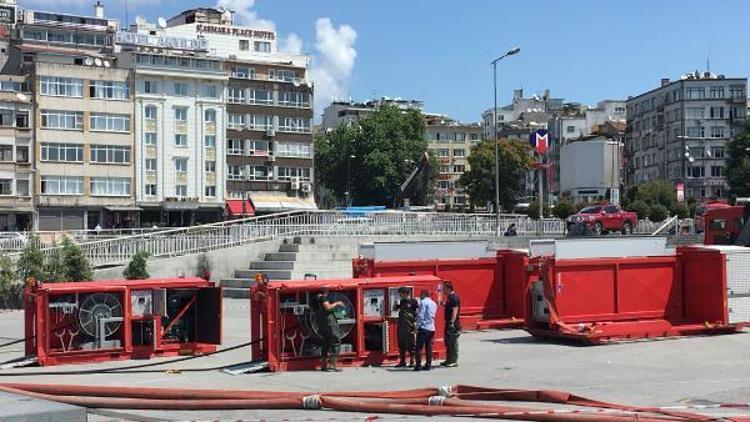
(425, 330)
(452, 305)
(328, 330)
(407, 314)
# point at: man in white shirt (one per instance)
(425, 330)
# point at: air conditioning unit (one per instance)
(270, 133)
(295, 183)
(271, 158)
(306, 188)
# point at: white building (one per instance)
(590, 168)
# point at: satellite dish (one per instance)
(88, 61)
(22, 97)
(107, 64)
(98, 61)
(162, 22)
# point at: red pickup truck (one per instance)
(605, 218)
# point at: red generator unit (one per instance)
(121, 319)
(285, 331)
(597, 290)
(491, 284)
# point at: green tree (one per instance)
(641, 208)
(77, 268)
(375, 158)
(31, 261)
(564, 209)
(7, 273)
(137, 268)
(54, 267)
(681, 210)
(479, 181)
(533, 210)
(738, 163)
(658, 213)
(657, 192)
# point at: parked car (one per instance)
(603, 219)
(702, 209)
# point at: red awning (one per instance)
(235, 208)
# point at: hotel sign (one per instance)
(175, 43)
(235, 31)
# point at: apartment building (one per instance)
(180, 126)
(451, 141)
(16, 154)
(84, 133)
(350, 112)
(269, 140)
(679, 131)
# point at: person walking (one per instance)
(328, 330)
(452, 304)
(407, 315)
(425, 330)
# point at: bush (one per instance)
(137, 269)
(641, 208)
(681, 211)
(54, 267)
(7, 272)
(658, 213)
(11, 292)
(564, 209)
(77, 268)
(31, 261)
(533, 210)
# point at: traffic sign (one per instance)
(539, 140)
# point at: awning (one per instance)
(123, 209)
(280, 201)
(235, 208)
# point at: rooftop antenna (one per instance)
(708, 62)
(127, 21)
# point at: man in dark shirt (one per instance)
(407, 313)
(328, 330)
(452, 304)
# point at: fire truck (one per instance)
(730, 225)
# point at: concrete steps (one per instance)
(308, 256)
(272, 265)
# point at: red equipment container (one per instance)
(285, 333)
(492, 289)
(607, 299)
(121, 319)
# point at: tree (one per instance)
(533, 211)
(658, 213)
(682, 211)
(54, 267)
(479, 181)
(564, 209)
(386, 147)
(642, 209)
(738, 163)
(31, 261)
(7, 273)
(137, 268)
(77, 268)
(11, 293)
(657, 192)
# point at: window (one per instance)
(180, 140)
(180, 165)
(150, 164)
(244, 45)
(694, 113)
(236, 121)
(459, 169)
(696, 132)
(258, 173)
(292, 149)
(210, 167)
(102, 122)
(737, 91)
(473, 136)
(22, 154)
(110, 186)
(717, 131)
(444, 168)
(444, 152)
(294, 124)
(286, 173)
(261, 96)
(294, 99)
(149, 138)
(210, 191)
(717, 171)
(243, 72)
(109, 90)
(150, 190)
(62, 152)
(695, 93)
(22, 119)
(110, 154)
(260, 122)
(234, 172)
(697, 152)
(716, 112)
(444, 184)
(180, 114)
(62, 185)
(262, 46)
(260, 148)
(180, 88)
(738, 113)
(209, 141)
(56, 119)
(236, 95)
(211, 91)
(6, 117)
(22, 188)
(180, 191)
(150, 87)
(716, 92)
(695, 172)
(61, 87)
(149, 113)
(235, 147)
(459, 137)
(6, 153)
(283, 75)
(459, 153)
(6, 187)
(718, 152)
(209, 116)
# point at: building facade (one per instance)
(16, 154)
(349, 112)
(590, 169)
(679, 131)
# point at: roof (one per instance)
(340, 284)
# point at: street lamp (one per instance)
(348, 178)
(510, 52)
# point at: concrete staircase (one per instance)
(296, 258)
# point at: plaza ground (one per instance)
(660, 373)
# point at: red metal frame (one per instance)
(492, 290)
(600, 300)
(280, 334)
(728, 230)
(49, 332)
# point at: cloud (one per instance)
(334, 61)
(291, 44)
(245, 15)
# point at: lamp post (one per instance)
(349, 178)
(510, 52)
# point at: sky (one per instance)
(439, 51)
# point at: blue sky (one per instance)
(439, 51)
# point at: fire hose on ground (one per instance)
(460, 400)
